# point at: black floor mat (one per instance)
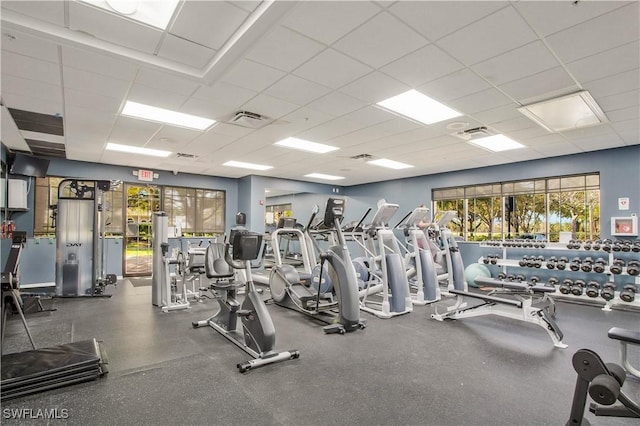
(140, 282)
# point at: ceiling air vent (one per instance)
(248, 119)
(365, 157)
(184, 155)
(475, 133)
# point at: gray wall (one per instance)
(619, 177)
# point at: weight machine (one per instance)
(80, 241)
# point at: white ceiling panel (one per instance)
(166, 81)
(30, 68)
(98, 64)
(336, 104)
(423, 65)
(330, 130)
(284, 49)
(610, 62)
(24, 44)
(207, 109)
(549, 17)
(93, 101)
(269, 106)
(130, 131)
(296, 90)
(439, 18)
(621, 26)
(225, 93)
(113, 29)
(332, 69)
(381, 40)
(30, 88)
(155, 97)
(209, 23)
(619, 101)
(517, 63)
(543, 85)
(48, 11)
(497, 33)
(480, 101)
(252, 75)
(26, 103)
(208, 142)
(185, 52)
(614, 84)
(94, 83)
(374, 87)
(496, 115)
(304, 118)
(329, 21)
(454, 85)
(623, 114)
(174, 137)
(369, 116)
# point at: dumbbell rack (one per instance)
(505, 262)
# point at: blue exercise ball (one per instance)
(475, 270)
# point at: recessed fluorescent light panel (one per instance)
(151, 113)
(243, 165)
(497, 143)
(323, 176)
(419, 107)
(566, 112)
(304, 145)
(383, 162)
(154, 13)
(137, 150)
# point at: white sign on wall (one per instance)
(623, 203)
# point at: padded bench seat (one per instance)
(624, 335)
(488, 298)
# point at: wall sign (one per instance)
(623, 203)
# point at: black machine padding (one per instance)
(487, 298)
(214, 264)
(624, 335)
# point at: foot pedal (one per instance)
(244, 312)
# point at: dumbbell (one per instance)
(551, 263)
(578, 287)
(511, 277)
(626, 246)
(599, 265)
(520, 278)
(636, 246)
(534, 279)
(617, 246)
(565, 287)
(616, 267)
(597, 245)
(593, 289)
(538, 261)
(587, 245)
(606, 245)
(628, 292)
(575, 264)
(570, 244)
(553, 281)
(494, 259)
(523, 262)
(562, 263)
(486, 259)
(608, 291)
(587, 264)
(502, 275)
(633, 267)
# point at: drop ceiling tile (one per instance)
(208, 109)
(336, 104)
(269, 106)
(31, 88)
(111, 28)
(284, 49)
(629, 131)
(607, 31)
(24, 44)
(230, 130)
(225, 94)
(166, 82)
(156, 97)
(454, 85)
(94, 83)
(629, 98)
(185, 52)
(530, 132)
(208, 142)
(333, 69)
(209, 23)
(609, 62)
(248, 5)
(329, 21)
(329, 130)
(517, 63)
(98, 64)
(544, 85)
(381, 40)
(369, 116)
(423, 65)
(131, 131)
(296, 90)
(26, 103)
(497, 33)
(94, 101)
(305, 118)
(48, 11)
(252, 75)
(439, 18)
(374, 87)
(480, 101)
(30, 68)
(174, 137)
(614, 84)
(624, 114)
(513, 124)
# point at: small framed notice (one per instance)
(624, 226)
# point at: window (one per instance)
(543, 207)
(196, 211)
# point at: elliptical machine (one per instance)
(258, 332)
(342, 314)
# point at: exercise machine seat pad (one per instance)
(214, 264)
(625, 335)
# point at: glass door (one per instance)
(142, 201)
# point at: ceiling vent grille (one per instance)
(248, 119)
(365, 157)
(185, 155)
(475, 133)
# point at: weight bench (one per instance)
(520, 309)
(626, 337)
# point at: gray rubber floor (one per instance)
(407, 370)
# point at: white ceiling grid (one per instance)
(319, 68)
